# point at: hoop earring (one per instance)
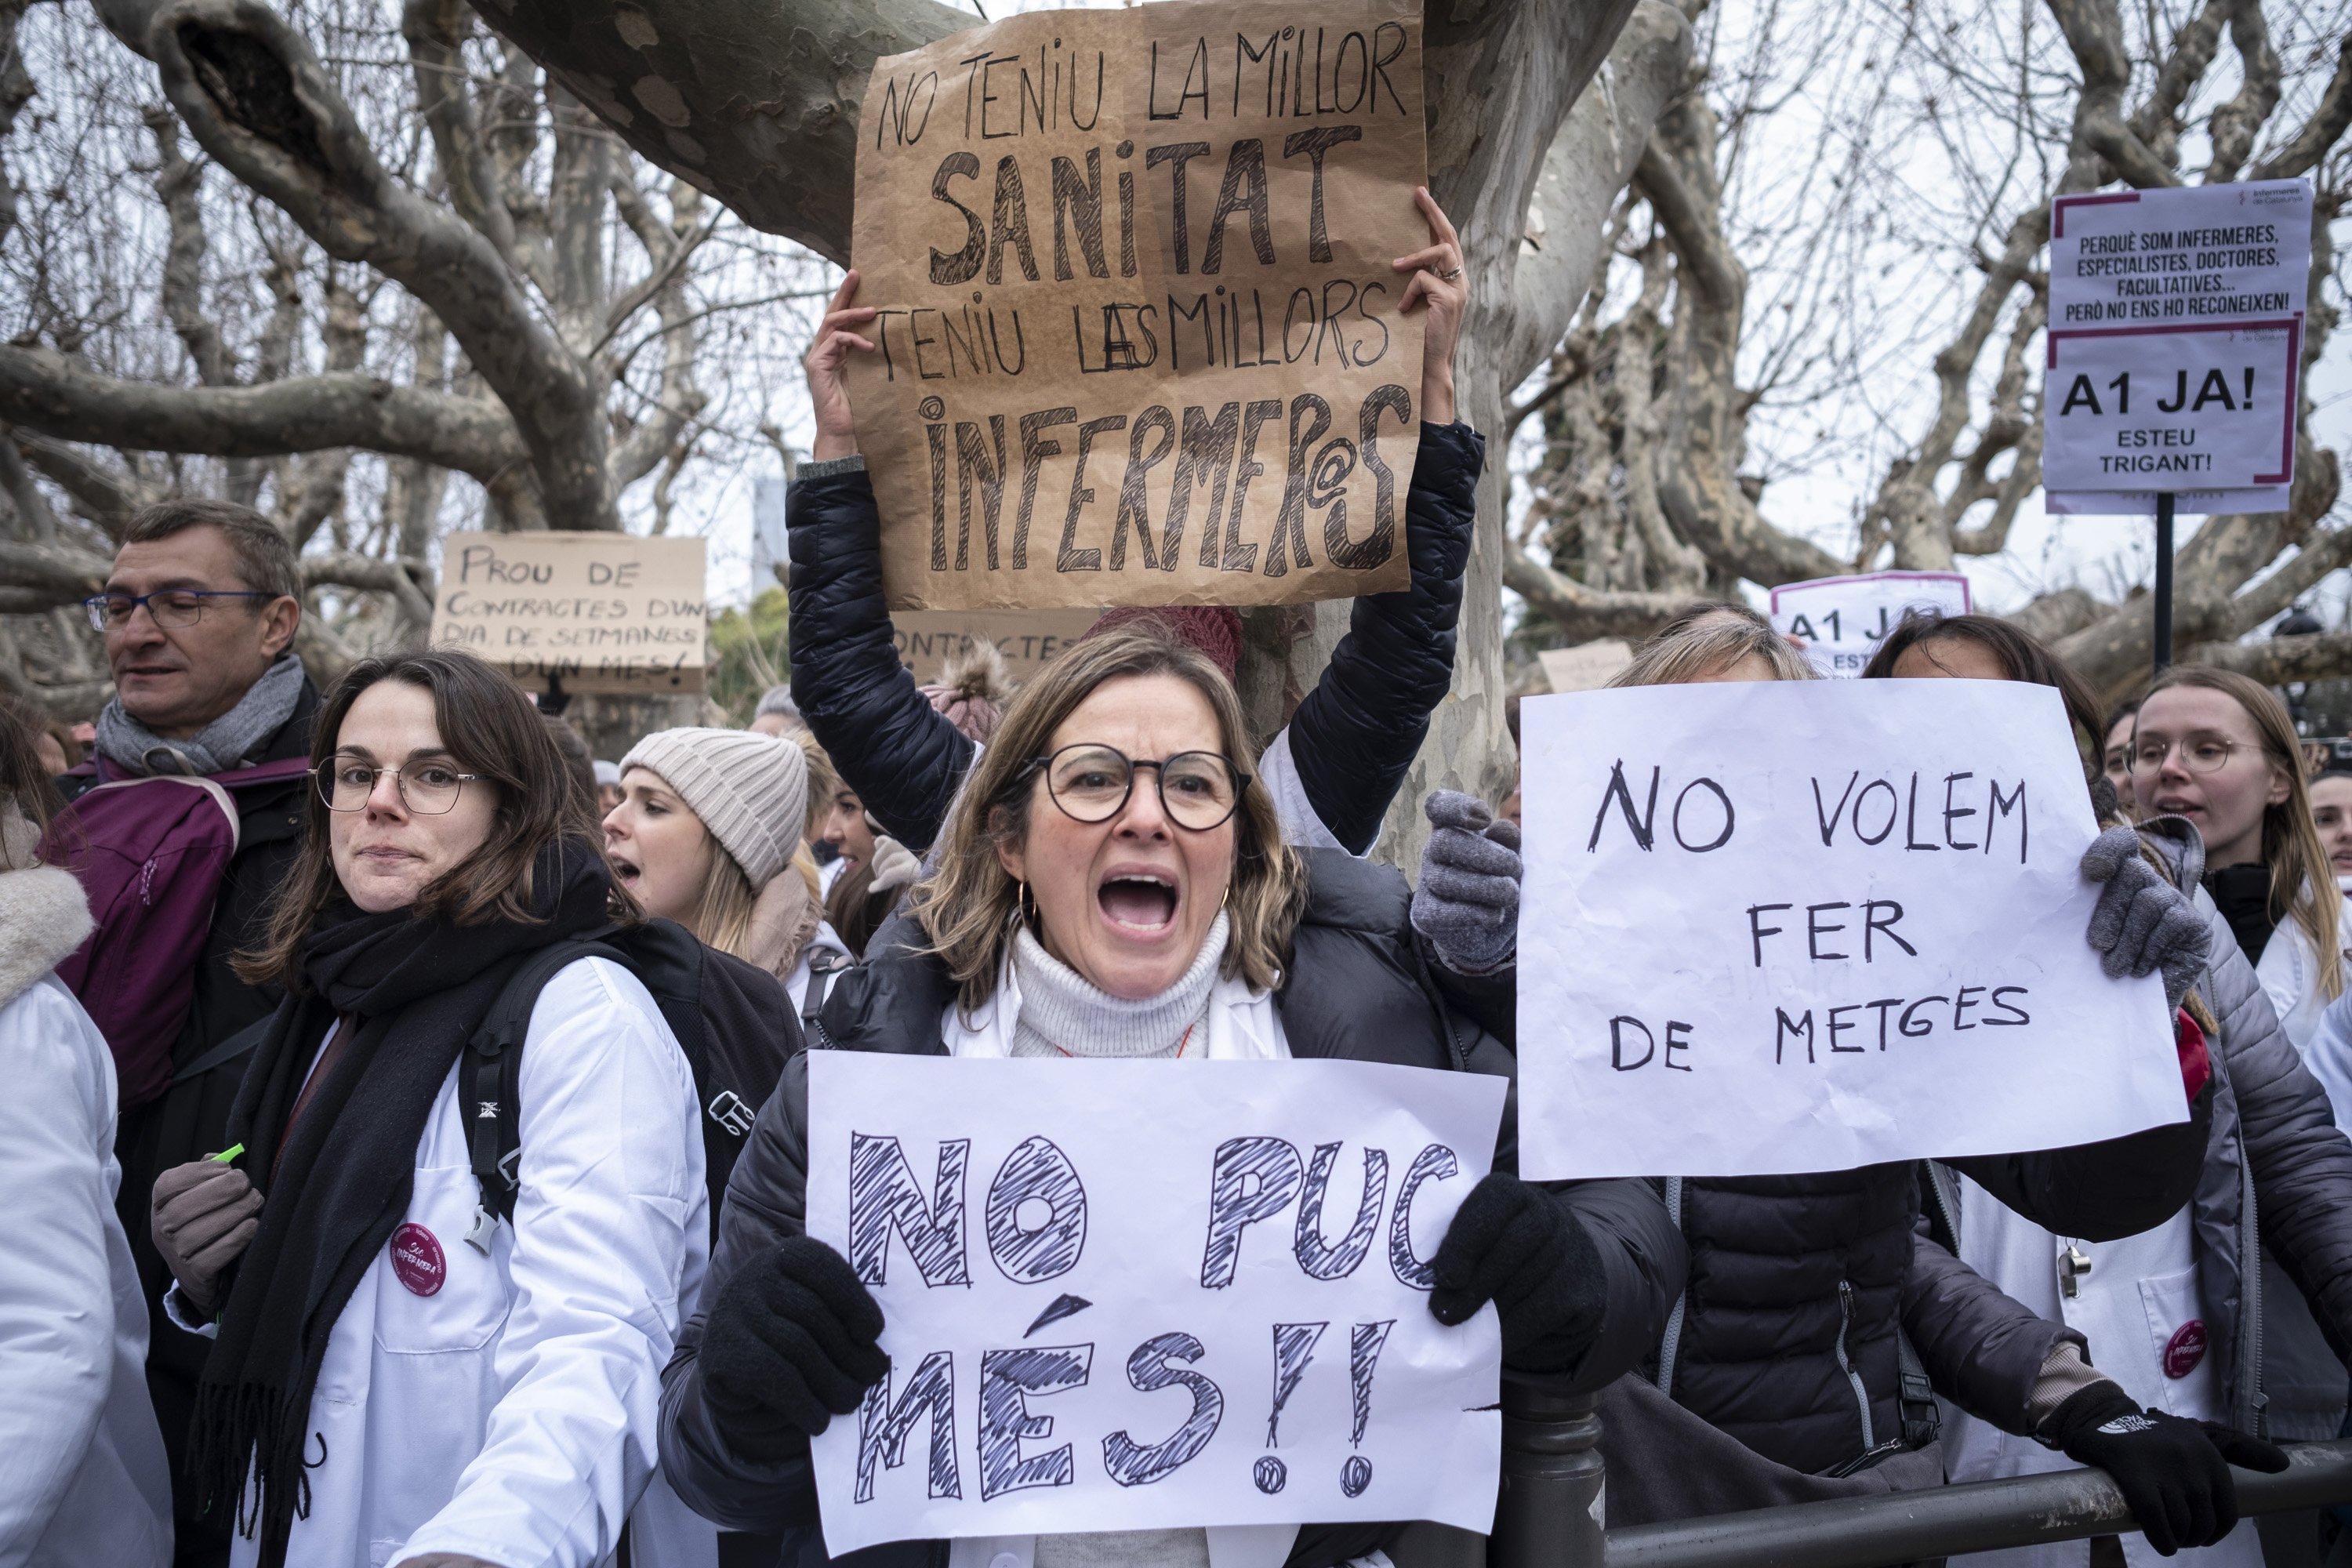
(1025, 909)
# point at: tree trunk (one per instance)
(740, 98)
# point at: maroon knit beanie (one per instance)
(1213, 630)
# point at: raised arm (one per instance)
(1357, 732)
(889, 745)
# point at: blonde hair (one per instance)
(2303, 883)
(722, 914)
(967, 905)
(1721, 637)
(823, 784)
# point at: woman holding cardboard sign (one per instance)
(1335, 767)
(1822, 1325)
(1092, 901)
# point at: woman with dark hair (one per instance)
(396, 1377)
(1986, 647)
(2182, 1314)
(86, 1480)
(1092, 902)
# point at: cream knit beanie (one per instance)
(750, 791)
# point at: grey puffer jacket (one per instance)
(2275, 1167)
(1357, 987)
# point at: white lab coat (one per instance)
(2140, 1308)
(503, 1405)
(83, 1478)
(2289, 973)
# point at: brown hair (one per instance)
(856, 911)
(2021, 653)
(2302, 884)
(265, 556)
(24, 783)
(968, 904)
(490, 728)
(1705, 646)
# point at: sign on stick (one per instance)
(1841, 620)
(1152, 1295)
(2175, 347)
(1140, 340)
(1029, 639)
(1814, 925)
(603, 612)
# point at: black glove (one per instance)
(792, 1342)
(1523, 1249)
(2174, 1473)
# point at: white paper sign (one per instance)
(1783, 927)
(2175, 346)
(1152, 1295)
(1841, 620)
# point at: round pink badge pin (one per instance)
(416, 1259)
(2185, 1349)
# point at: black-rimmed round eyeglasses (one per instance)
(1091, 783)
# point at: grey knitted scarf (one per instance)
(1062, 1014)
(220, 745)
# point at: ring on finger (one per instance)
(1449, 273)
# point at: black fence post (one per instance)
(1548, 1514)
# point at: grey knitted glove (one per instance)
(1467, 903)
(895, 865)
(2142, 923)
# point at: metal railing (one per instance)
(1549, 1511)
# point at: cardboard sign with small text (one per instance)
(1139, 341)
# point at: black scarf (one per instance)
(415, 991)
(2243, 893)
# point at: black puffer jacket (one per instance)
(1353, 737)
(1358, 988)
(1798, 1284)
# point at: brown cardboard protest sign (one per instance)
(1139, 340)
(1029, 639)
(604, 612)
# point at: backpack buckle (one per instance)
(507, 1165)
(732, 1112)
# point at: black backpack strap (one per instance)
(493, 1069)
(224, 1052)
(824, 965)
(1915, 1395)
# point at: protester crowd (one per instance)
(407, 1142)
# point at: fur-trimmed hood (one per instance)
(44, 916)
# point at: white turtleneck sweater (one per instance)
(1065, 1015)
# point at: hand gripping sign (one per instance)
(1784, 927)
(1139, 340)
(1151, 1295)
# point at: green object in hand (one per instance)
(227, 1154)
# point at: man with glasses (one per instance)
(199, 615)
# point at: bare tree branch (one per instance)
(2325, 127)
(254, 94)
(45, 391)
(2274, 661)
(1582, 614)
